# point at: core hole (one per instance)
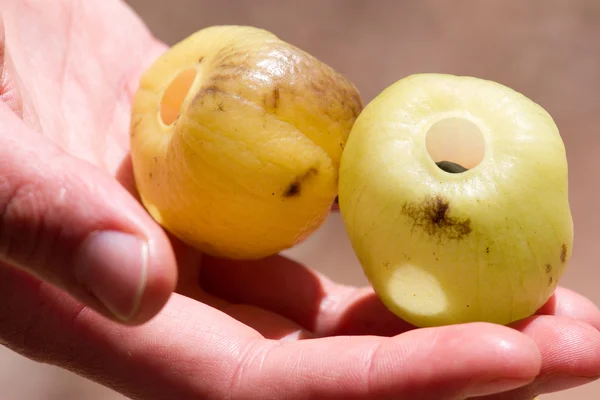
(175, 94)
(455, 141)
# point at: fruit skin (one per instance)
(489, 244)
(250, 166)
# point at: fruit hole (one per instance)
(175, 94)
(455, 144)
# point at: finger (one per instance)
(269, 324)
(189, 347)
(570, 352)
(335, 207)
(275, 283)
(567, 303)
(74, 226)
(304, 296)
(441, 363)
(310, 299)
(179, 354)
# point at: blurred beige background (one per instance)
(547, 49)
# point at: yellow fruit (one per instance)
(236, 138)
(485, 242)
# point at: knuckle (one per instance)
(37, 321)
(20, 331)
(22, 211)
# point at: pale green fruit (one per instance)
(487, 244)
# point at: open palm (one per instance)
(262, 329)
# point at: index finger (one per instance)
(568, 303)
(191, 351)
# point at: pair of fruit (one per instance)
(453, 189)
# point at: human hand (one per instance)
(261, 329)
(66, 214)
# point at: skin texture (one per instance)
(248, 333)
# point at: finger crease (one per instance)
(371, 369)
(246, 360)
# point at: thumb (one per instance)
(74, 226)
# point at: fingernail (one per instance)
(497, 386)
(113, 266)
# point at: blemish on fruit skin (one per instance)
(548, 268)
(233, 64)
(228, 65)
(200, 59)
(135, 124)
(295, 187)
(563, 253)
(327, 88)
(270, 99)
(212, 89)
(550, 280)
(432, 215)
(221, 77)
(292, 190)
(275, 97)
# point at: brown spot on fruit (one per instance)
(432, 215)
(210, 89)
(217, 78)
(270, 99)
(227, 65)
(275, 96)
(548, 268)
(295, 187)
(135, 124)
(230, 64)
(292, 190)
(563, 253)
(438, 211)
(200, 59)
(550, 280)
